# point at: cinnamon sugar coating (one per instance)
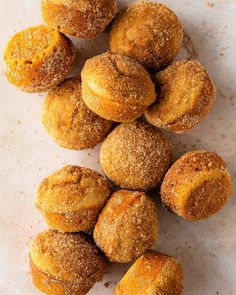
(127, 226)
(65, 264)
(135, 156)
(197, 185)
(68, 120)
(71, 198)
(116, 87)
(38, 58)
(149, 32)
(79, 18)
(186, 96)
(152, 273)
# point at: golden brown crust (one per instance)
(127, 226)
(79, 18)
(153, 273)
(135, 156)
(71, 198)
(68, 120)
(38, 59)
(116, 87)
(186, 95)
(197, 185)
(149, 32)
(82, 220)
(69, 264)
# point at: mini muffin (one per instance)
(65, 264)
(116, 87)
(135, 156)
(79, 18)
(197, 185)
(186, 95)
(153, 273)
(149, 32)
(68, 120)
(71, 198)
(127, 226)
(38, 59)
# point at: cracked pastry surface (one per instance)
(79, 18)
(197, 185)
(135, 156)
(116, 87)
(71, 198)
(153, 273)
(68, 120)
(149, 32)
(38, 58)
(65, 263)
(186, 95)
(127, 226)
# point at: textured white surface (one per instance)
(207, 249)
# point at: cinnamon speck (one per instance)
(210, 4)
(106, 285)
(221, 94)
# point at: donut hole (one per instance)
(30, 53)
(149, 32)
(81, 19)
(186, 94)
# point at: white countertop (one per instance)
(207, 249)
